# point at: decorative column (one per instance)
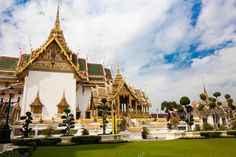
(118, 108)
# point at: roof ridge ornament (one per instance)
(57, 22)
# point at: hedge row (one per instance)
(85, 139)
(231, 132)
(18, 152)
(211, 134)
(36, 141)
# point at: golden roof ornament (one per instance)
(57, 22)
(36, 106)
(63, 102)
(118, 73)
(118, 70)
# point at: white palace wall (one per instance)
(51, 86)
(83, 96)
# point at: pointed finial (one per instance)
(30, 45)
(63, 97)
(37, 96)
(19, 48)
(57, 22)
(204, 87)
(118, 70)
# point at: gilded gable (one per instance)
(52, 59)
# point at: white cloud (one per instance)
(217, 23)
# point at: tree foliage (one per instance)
(216, 94)
(103, 111)
(68, 122)
(230, 101)
(186, 114)
(184, 101)
(169, 106)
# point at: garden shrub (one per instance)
(49, 131)
(24, 151)
(36, 141)
(85, 139)
(197, 127)
(222, 127)
(10, 154)
(231, 132)
(211, 134)
(207, 127)
(85, 131)
(145, 132)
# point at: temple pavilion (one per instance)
(52, 78)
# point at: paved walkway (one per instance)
(6, 147)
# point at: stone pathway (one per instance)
(6, 147)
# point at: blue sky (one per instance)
(161, 45)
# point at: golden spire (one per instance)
(204, 87)
(118, 75)
(118, 70)
(57, 22)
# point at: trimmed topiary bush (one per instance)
(211, 134)
(85, 139)
(145, 132)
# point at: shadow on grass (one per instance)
(74, 150)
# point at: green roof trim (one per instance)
(96, 79)
(108, 73)
(7, 72)
(95, 69)
(8, 62)
(8, 79)
(82, 64)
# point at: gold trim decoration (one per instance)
(62, 104)
(57, 36)
(36, 107)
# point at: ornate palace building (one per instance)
(52, 78)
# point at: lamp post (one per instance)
(6, 131)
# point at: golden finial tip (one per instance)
(57, 22)
(118, 69)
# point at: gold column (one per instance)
(118, 105)
(129, 105)
(93, 112)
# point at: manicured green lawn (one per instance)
(220, 147)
